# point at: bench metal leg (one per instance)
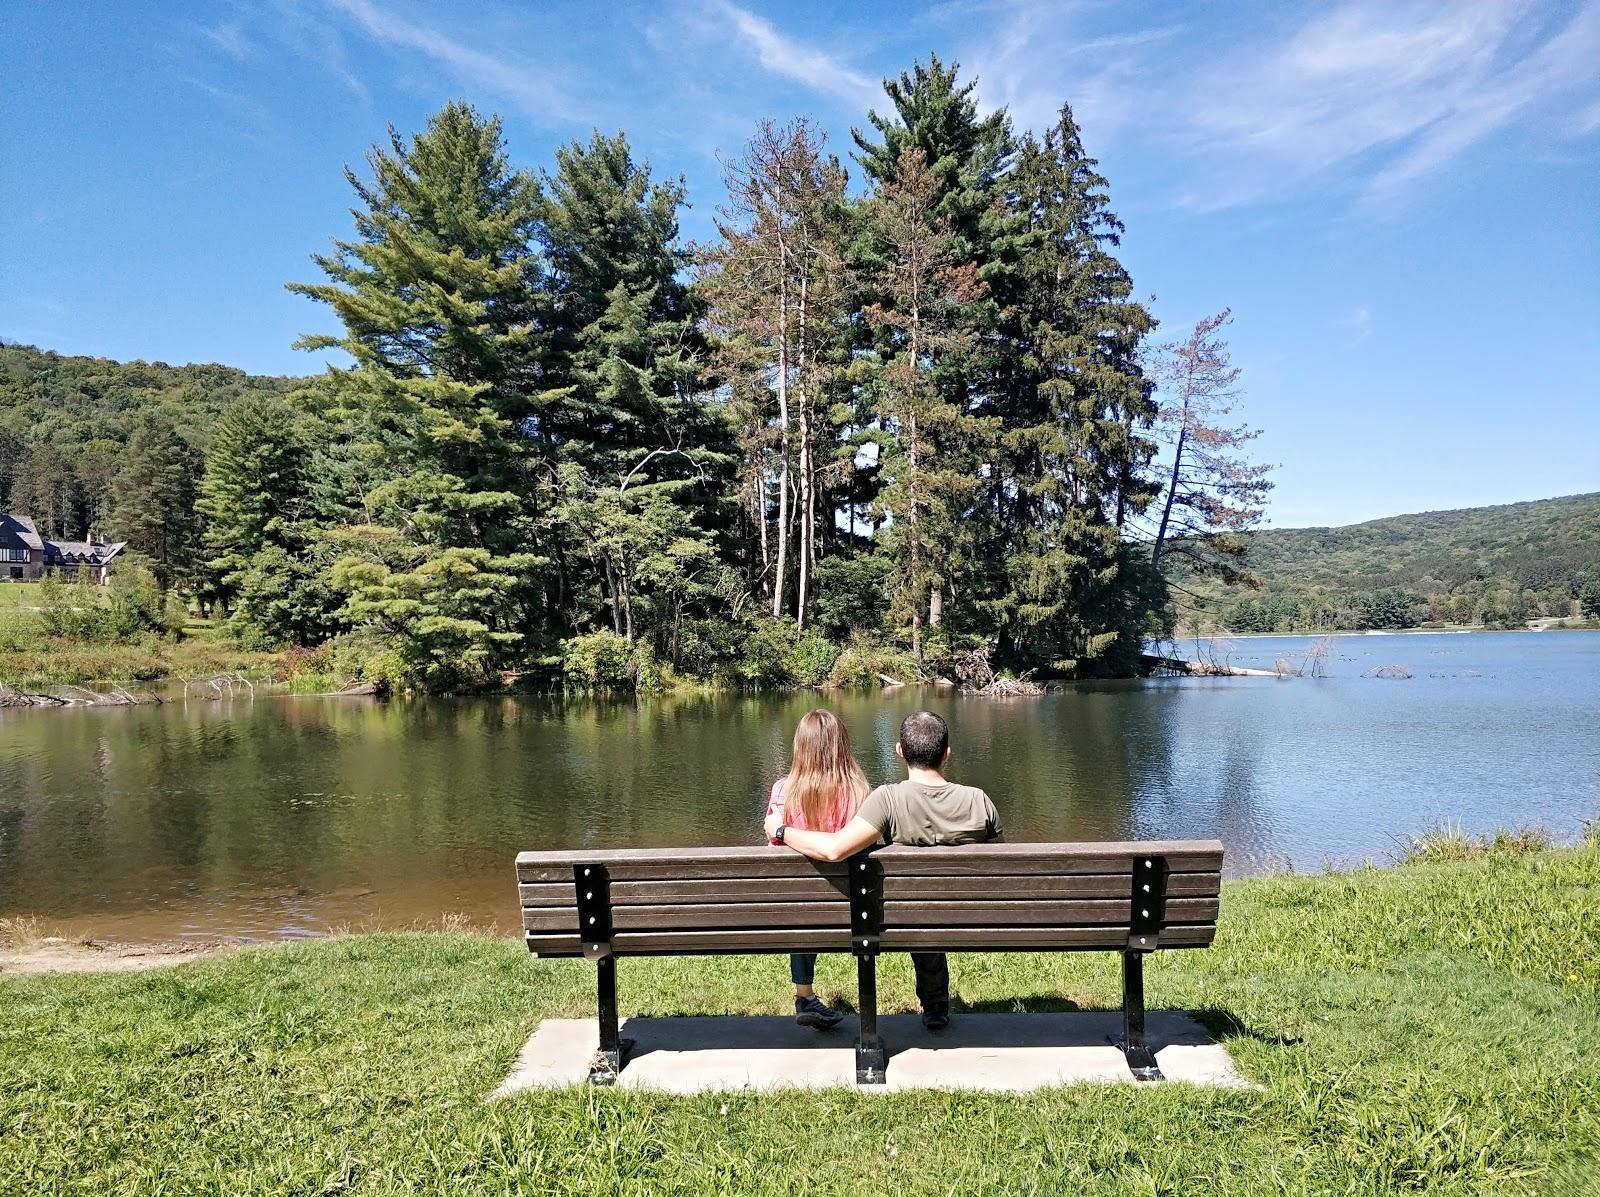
(1141, 1060)
(871, 1059)
(613, 1053)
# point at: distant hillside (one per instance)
(1496, 565)
(65, 420)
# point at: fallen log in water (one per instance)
(75, 696)
(10, 697)
(1181, 668)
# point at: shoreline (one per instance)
(25, 951)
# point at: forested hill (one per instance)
(1496, 565)
(66, 422)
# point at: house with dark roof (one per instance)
(25, 556)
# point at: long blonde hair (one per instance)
(824, 782)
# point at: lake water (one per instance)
(281, 816)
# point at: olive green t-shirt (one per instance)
(910, 812)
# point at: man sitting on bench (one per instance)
(925, 810)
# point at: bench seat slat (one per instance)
(1020, 887)
(1009, 914)
(666, 893)
(903, 939)
(801, 915)
(654, 864)
(1026, 887)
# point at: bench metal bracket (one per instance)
(865, 882)
(1149, 903)
(592, 883)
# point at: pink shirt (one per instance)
(841, 813)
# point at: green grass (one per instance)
(19, 594)
(31, 660)
(1432, 1028)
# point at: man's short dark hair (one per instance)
(924, 739)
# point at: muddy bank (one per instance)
(54, 955)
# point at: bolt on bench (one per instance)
(1132, 898)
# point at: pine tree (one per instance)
(45, 487)
(264, 553)
(437, 296)
(154, 508)
(626, 419)
(1072, 459)
(926, 460)
(967, 157)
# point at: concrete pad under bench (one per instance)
(1002, 1053)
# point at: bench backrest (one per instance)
(979, 897)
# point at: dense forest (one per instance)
(1499, 566)
(897, 421)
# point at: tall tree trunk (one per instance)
(616, 606)
(803, 401)
(1172, 489)
(783, 440)
(760, 484)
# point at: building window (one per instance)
(16, 573)
(13, 554)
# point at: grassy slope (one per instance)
(1430, 1028)
(1444, 547)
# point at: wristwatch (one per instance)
(783, 829)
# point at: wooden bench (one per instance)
(1132, 898)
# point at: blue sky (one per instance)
(1399, 201)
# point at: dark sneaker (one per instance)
(936, 1019)
(812, 1012)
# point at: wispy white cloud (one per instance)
(536, 87)
(230, 38)
(1359, 322)
(792, 59)
(263, 29)
(1386, 93)
(259, 122)
(1034, 55)
(1366, 97)
(1564, 64)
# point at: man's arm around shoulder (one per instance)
(859, 834)
(855, 836)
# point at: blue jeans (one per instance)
(932, 970)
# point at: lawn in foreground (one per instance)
(1429, 1028)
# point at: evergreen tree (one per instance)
(45, 488)
(1072, 457)
(626, 418)
(926, 459)
(263, 550)
(154, 507)
(436, 295)
(966, 156)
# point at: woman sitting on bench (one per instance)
(821, 792)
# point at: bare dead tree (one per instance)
(774, 280)
(1213, 495)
